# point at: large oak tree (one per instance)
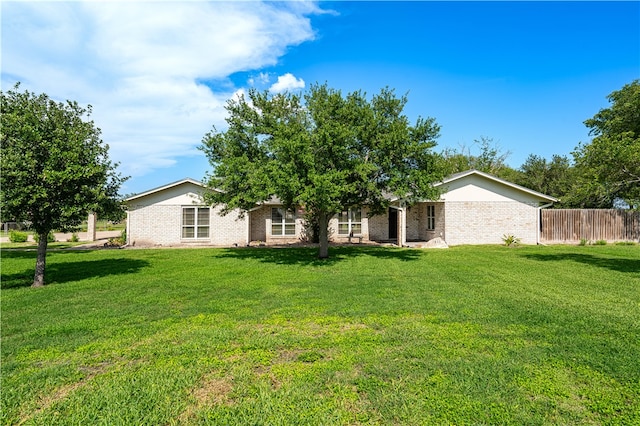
(55, 167)
(321, 151)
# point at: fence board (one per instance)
(572, 225)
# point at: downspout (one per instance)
(248, 235)
(539, 222)
(403, 225)
(128, 228)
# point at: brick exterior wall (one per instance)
(425, 234)
(259, 224)
(228, 230)
(416, 221)
(485, 222)
(379, 227)
(153, 225)
(261, 228)
(161, 224)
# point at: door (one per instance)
(393, 224)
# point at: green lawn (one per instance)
(468, 335)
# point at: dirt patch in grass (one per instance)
(213, 391)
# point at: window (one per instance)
(431, 218)
(283, 222)
(195, 222)
(350, 222)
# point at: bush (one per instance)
(583, 241)
(510, 240)
(601, 243)
(18, 237)
(50, 237)
(74, 238)
(117, 241)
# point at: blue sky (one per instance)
(526, 74)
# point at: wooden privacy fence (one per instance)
(559, 225)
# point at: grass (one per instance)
(469, 335)
(31, 245)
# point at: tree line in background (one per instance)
(604, 173)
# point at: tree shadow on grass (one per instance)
(309, 255)
(615, 264)
(64, 272)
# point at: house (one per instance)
(474, 208)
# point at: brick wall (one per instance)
(258, 224)
(161, 224)
(228, 230)
(154, 224)
(485, 222)
(379, 227)
(416, 221)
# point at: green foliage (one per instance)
(609, 166)
(490, 158)
(74, 238)
(18, 237)
(555, 177)
(601, 243)
(118, 241)
(510, 240)
(533, 336)
(55, 168)
(583, 242)
(322, 151)
(50, 237)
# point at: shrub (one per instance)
(74, 238)
(510, 240)
(50, 237)
(18, 237)
(117, 241)
(601, 243)
(583, 241)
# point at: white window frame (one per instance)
(198, 223)
(351, 222)
(286, 223)
(431, 217)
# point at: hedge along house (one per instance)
(474, 208)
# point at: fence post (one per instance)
(91, 227)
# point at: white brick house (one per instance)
(474, 208)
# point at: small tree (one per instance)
(321, 151)
(55, 168)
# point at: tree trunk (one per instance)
(38, 278)
(323, 225)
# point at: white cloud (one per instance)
(141, 64)
(287, 82)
